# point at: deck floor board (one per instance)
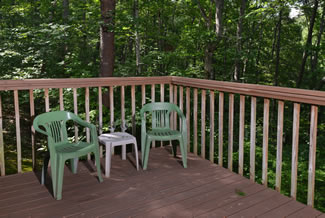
(165, 189)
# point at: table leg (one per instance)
(124, 152)
(136, 154)
(108, 159)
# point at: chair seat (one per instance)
(164, 134)
(71, 147)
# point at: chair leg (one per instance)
(60, 172)
(108, 160)
(44, 168)
(54, 166)
(97, 161)
(74, 165)
(174, 148)
(183, 152)
(146, 155)
(136, 154)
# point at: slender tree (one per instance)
(107, 51)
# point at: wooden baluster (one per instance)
(153, 100)
(162, 99)
(175, 102)
(123, 104)
(230, 131)
(211, 126)
(312, 155)
(252, 140)
(2, 154)
(61, 99)
(295, 143)
(188, 118)
(195, 121)
(220, 138)
(47, 100)
(87, 116)
(75, 110)
(100, 118)
(32, 115)
(143, 95)
(265, 140)
(241, 135)
(111, 110)
(133, 109)
(203, 102)
(18, 136)
(279, 146)
(181, 98)
(171, 97)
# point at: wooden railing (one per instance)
(193, 89)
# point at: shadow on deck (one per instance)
(166, 189)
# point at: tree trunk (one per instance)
(278, 47)
(137, 37)
(65, 5)
(107, 53)
(239, 41)
(307, 46)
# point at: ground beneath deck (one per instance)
(166, 189)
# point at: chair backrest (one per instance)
(54, 124)
(160, 112)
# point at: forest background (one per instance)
(276, 42)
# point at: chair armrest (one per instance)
(83, 123)
(36, 127)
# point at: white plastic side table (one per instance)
(111, 140)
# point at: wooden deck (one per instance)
(164, 190)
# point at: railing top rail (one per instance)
(81, 82)
(281, 93)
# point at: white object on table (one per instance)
(111, 140)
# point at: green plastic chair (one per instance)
(60, 149)
(161, 131)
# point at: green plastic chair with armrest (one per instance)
(161, 131)
(60, 149)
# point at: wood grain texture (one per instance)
(295, 144)
(153, 99)
(122, 103)
(241, 135)
(230, 130)
(27, 84)
(133, 109)
(111, 105)
(188, 118)
(171, 100)
(265, 140)
(175, 102)
(143, 95)
(280, 93)
(18, 135)
(61, 99)
(195, 121)
(312, 155)
(47, 100)
(181, 103)
(2, 153)
(32, 115)
(203, 110)
(162, 99)
(211, 147)
(279, 145)
(100, 117)
(164, 190)
(220, 131)
(252, 140)
(75, 110)
(87, 105)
